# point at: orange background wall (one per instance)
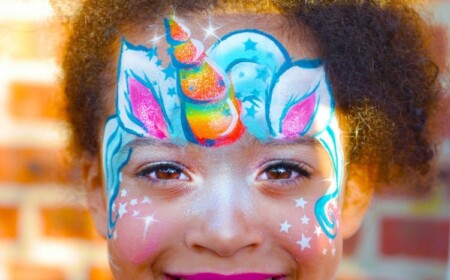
(45, 230)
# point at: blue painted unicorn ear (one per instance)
(299, 94)
(141, 92)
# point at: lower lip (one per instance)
(213, 276)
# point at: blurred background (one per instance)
(45, 230)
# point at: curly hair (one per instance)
(377, 56)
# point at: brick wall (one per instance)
(407, 235)
(45, 230)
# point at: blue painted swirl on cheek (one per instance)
(114, 159)
(330, 140)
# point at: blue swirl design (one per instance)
(114, 159)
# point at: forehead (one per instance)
(295, 37)
(207, 80)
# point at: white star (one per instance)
(304, 242)
(305, 220)
(210, 31)
(134, 201)
(122, 209)
(318, 231)
(123, 193)
(135, 213)
(115, 234)
(156, 38)
(324, 251)
(147, 222)
(300, 202)
(333, 251)
(284, 227)
(146, 200)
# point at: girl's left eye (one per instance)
(164, 171)
(284, 171)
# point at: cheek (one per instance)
(301, 234)
(140, 229)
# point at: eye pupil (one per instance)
(279, 172)
(167, 173)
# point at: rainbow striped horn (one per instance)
(210, 112)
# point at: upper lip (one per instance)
(215, 276)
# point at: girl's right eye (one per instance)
(164, 171)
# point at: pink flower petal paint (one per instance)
(147, 109)
(298, 117)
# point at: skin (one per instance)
(230, 209)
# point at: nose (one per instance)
(224, 227)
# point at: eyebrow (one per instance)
(145, 142)
(303, 140)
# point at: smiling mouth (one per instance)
(213, 276)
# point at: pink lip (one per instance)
(213, 276)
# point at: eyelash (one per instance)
(302, 171)
(299, 170)
(147, 171)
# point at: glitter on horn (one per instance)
(210, 111)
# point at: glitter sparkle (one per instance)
(211, 30)
(147, 222)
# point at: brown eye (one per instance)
(284, 171)
(164, 171)
(279, 173)
(167, 173)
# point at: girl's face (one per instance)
(222, 156)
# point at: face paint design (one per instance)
(318, 238)
(210, 111)
(245, 82)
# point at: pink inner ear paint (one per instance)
(298, 117)
(147, 109)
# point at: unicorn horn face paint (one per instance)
(223, 156)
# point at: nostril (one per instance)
(223, 243)
(196, 248)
